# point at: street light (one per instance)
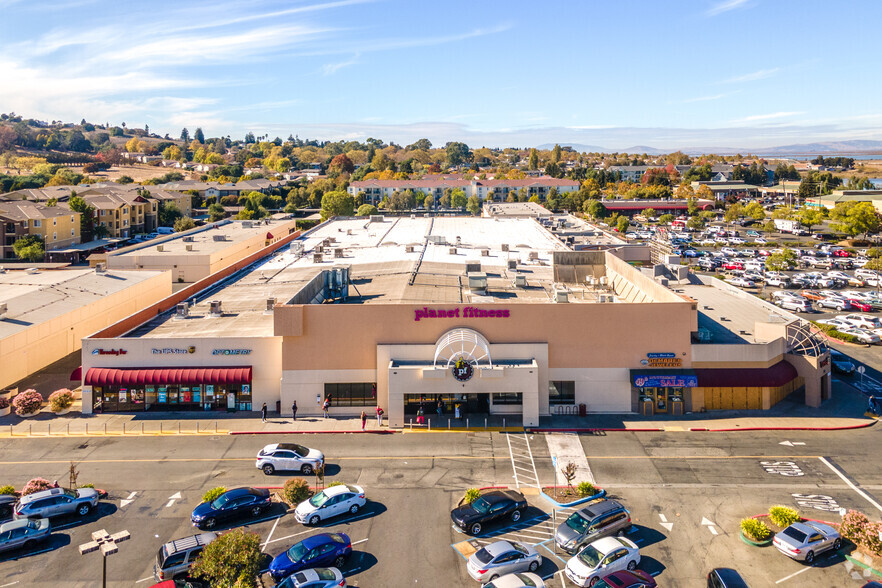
(107, 543)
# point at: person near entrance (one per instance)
(363, 420)
(440, 407)
(420, 413)
(457, 410)
(379, 416)
(294, 411)
(263, 412)
(326, 406)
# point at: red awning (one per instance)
(155, 376)
(779, 374)
(77, 374)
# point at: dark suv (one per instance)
(591, 523)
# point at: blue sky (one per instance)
(691, 73)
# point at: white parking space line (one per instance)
(277, 539)
(10, 584)
(138, 582)
(522, 463)
(273, 530)
(794, 574)
(850, 485)
(362, 541)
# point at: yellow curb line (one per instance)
(463, 430)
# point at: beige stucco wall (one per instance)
(264, 359)
(33, 349)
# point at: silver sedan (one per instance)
(503, 557)
(803, 541)
(23, 533)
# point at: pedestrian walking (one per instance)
(294, 411)
(457, 411)
(420, 415)
(263, 412)
(326, 407)
(379, 416)
(363, 420)
(440, 407)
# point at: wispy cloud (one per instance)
(763, 117)
(726, 6)
(703, 98)
(760, 74)
(330, 69)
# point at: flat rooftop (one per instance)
(382, 257)
(35, 298)
(730, 319)
(209, 239)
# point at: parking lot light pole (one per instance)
(107, 543)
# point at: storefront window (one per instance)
(197, 397)
(561, 392)
(508, 398)
(355, 394)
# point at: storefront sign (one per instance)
(463, 370)
(231, 352)
(666, 381)
(661, 355)
(464, 312)
(663, 362)
(174, 350)
(109, 352)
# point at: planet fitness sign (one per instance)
(467, 312)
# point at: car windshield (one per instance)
(577, 523)
(590, 556)
(70, 493)
(325, 574)
(794, 534)
(319, 499)
(33, 524)
(520, 548)
(526, 580)
(481, 505)
(220, 501)
(297, 551)
(483, 556)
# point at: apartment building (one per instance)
(57, 225)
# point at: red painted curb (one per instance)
(310, 432)
(843, 428)
(589, 430)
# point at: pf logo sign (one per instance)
(463, 370)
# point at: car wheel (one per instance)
(593, 581)
(314, 520)
(306, 469)
(475, 529)
(268, 469)
(632, 565)
(84, 509)
(837, 544)
(493, 577)
(353, 509)
(534, 565)
(809, 557)
(209, 523)
(515, 516)
(255, 511)
(339, 561)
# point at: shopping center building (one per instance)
(496, 315)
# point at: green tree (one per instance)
(233, 560)
(429, 202)
(198, 135)
(533, 162)
(216, 212)
(446, 199)
(809, 217)
(457, 153)
(337, 203)
(87, 217)
(648, 213)
(185, 223)
(534, 199)
(666, 219)
(30, 248)
(755, 211)
(696, 223)
(458, 199)
(168, 214)
(855, 218)
(734, 212)
(555, 154)
(622, 223)
(474, 206)
(782, 261)
(125, 180)
(595, 209)
(366, 210)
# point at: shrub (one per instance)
(586, 489)
(335, 483)
(92, 486)
(858, 529)
(7, 489)
(233, 559)
(61, 400)
(471, 495)
(4, 403)
(296, 490)
(755, 529)
(27, 402)
(211, 495)
(783, 516)
(36, 485)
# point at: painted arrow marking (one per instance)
(664, 522)
(791, 443)
(710, 525)
(127, 501)
(172, 498)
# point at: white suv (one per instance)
(864, 322)
(289, 456)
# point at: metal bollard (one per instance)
(467, 424)
(448, 424)
(429, 422)
(105, 428)
(197, 427)
(179, 427)
(503, 424)
(160, 427)
(411, 424)
(29, 430)
(142, 428)
(124, 429)
(485, 423)
(215, 426)
(68, 429)
(50, 430)
(87, 428)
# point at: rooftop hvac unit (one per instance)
(533, 255)
(320, 248)
(32, 270)
(3, 309)
(478, 282)
(188, 247)
(505, 246)
(485, 253)
(560, 296)
(606, 298)
(296, 248)
(512, 264)
(520, 281)
(413, 216)
(188, 239)
(181, 309)
(458, 240)
(100, 268)
(270, 303)
(246, 224)
(452, 251)
(160, 247)
(376, 218)
(338, 253)
(472, 265)
(215, 309)
(219, 237)
(348, 231)
(408, 248)
(317, 257)
(326, 242)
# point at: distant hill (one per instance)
(853, 146)
(831, 147)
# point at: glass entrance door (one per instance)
(660, 397)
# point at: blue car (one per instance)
(324, 549)
(232, 504)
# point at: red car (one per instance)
(733, 265)
(860, 305)
(841, 253)
(627, 579)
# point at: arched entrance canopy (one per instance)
(468, 344)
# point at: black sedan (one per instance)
(841, 363)
(492, 506)
(232, 504)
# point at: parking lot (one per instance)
(686, 493)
